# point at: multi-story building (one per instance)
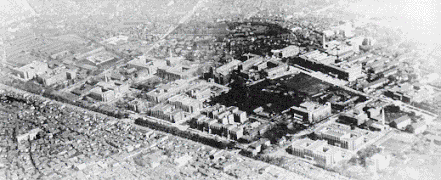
(319, 151)
(401, 92)
(139, 105)
(248, 64)
(168, 112)
(358, 58)
(311, 112)
(202, 90)
(227, 115)
(276, 70)
(319, 57)
(177, 72)
(163, 92)
(401, 122)
(315, 60)
(375, 84)
(31, 70)
(340, 135)
(418, 127)
(109, 90)
(186, 103)
(355, 117)
(101, 58)
(289, 51)
(222, 75)
(220, 120)
(240, 116)
(147, 63)
(56, 75)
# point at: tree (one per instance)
(367, 153)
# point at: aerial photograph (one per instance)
(220, 89)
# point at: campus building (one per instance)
(340, 135)
(31, 70)
(318, 151)
(56, 76)
(108, 91)
(169, 113)
(401, 122)
(163, 92)
(311, 112)
(222, 75)
(186, 103)
(148, 64)
(177, 72)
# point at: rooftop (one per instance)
(319, 146)
(227, 67)
(33, 66)
(340, 131)
(402, 119)
(180, 69)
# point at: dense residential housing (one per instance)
(307, 88)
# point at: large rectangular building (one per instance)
(177, 72)
(186, 103)
(31, 70)
(163, 92)
(311, 112)
(340, 135)
(319, 151)
(57, 75)
(108, 91)
(147, 63)
(317, 61)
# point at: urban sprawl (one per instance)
(260, 87)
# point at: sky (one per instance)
(418, 19)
